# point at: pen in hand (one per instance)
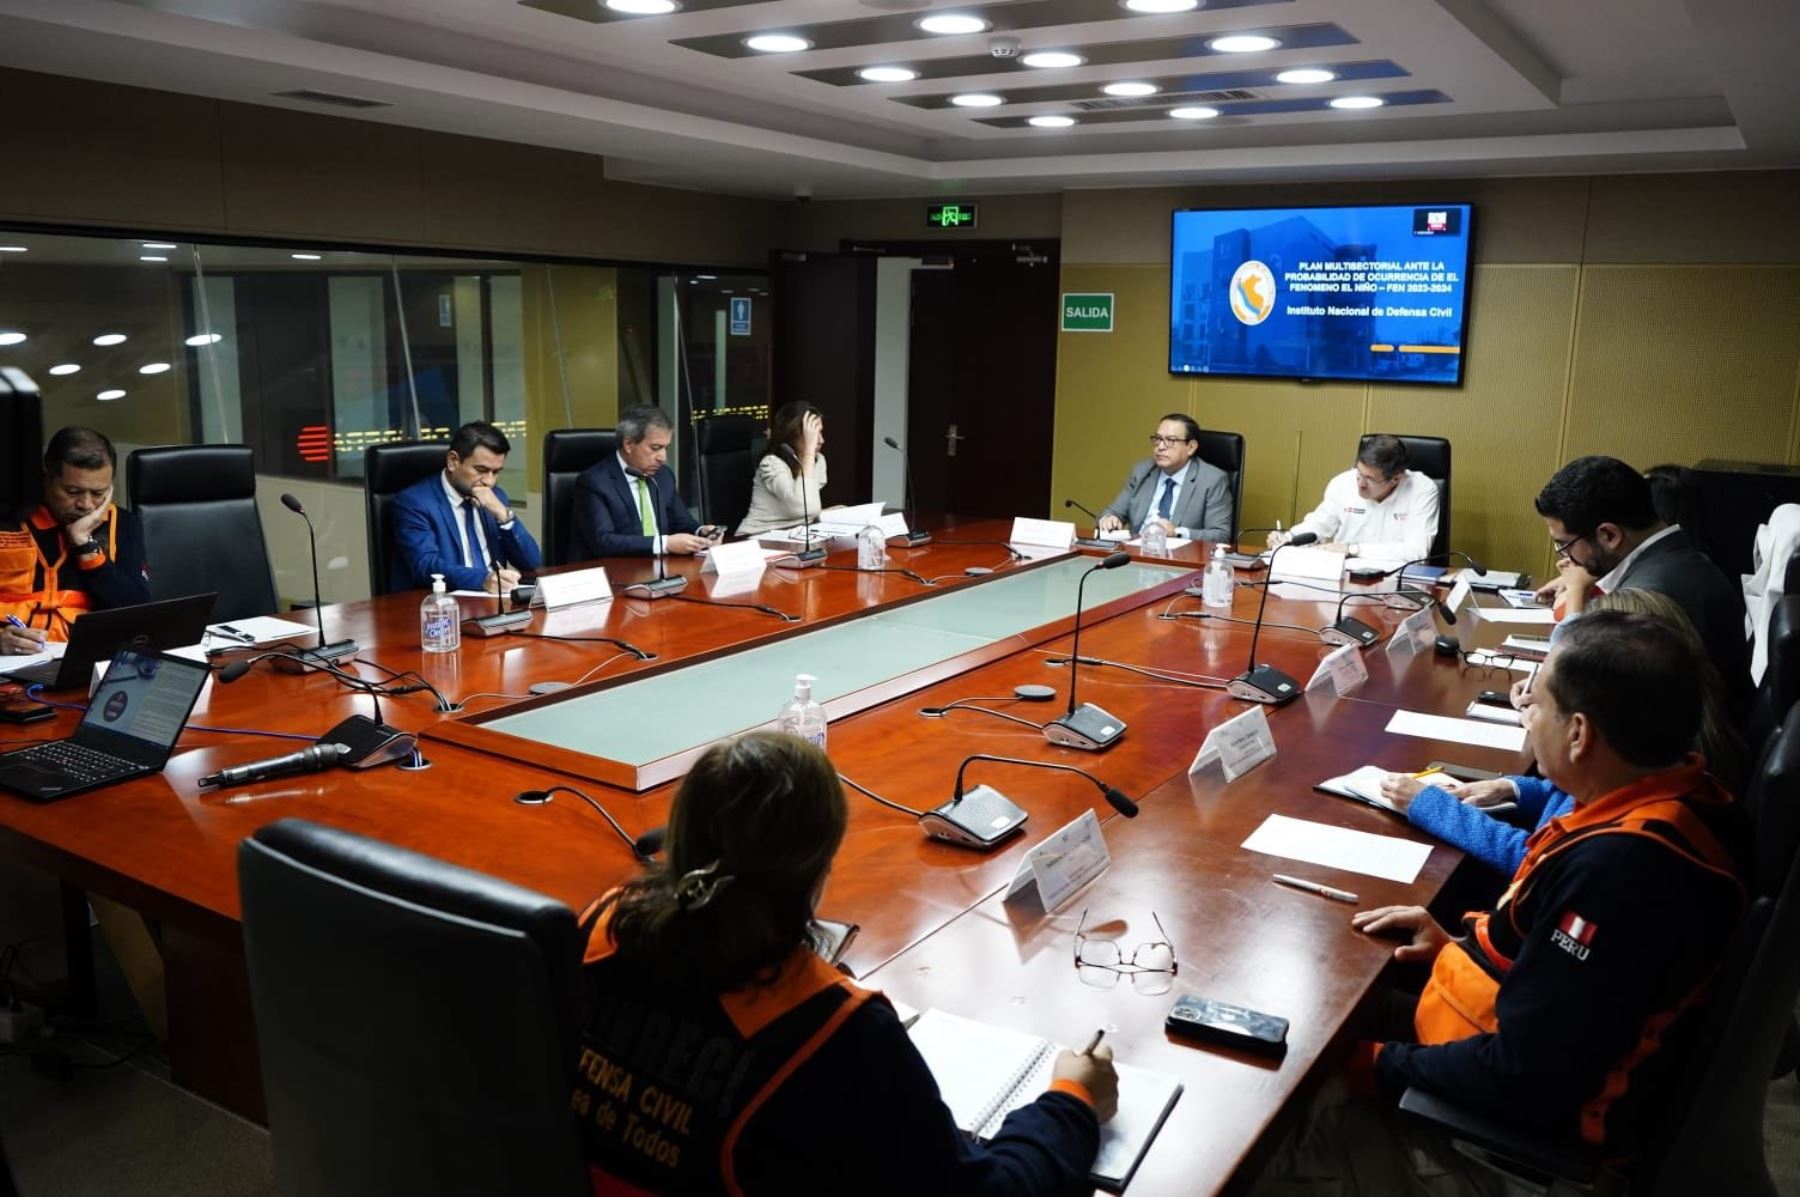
(1094, 1042)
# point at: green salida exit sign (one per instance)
(1087, 312)
(950, 216)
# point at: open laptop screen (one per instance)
(141, 706)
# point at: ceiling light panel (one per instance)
(1121, 53)
(1177, 85)
(597, 12)
(1145, 114)
(889, 28)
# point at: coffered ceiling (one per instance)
(1394, 87)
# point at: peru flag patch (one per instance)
(1574, 934)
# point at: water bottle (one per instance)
(1220, 580)
(1155, 542)
(440, 620)
(871, 548)
(802, 716)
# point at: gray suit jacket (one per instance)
(1675, 567)
(1202, 509)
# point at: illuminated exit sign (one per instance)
(950, 216)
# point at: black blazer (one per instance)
(607, 523)
(1673, 566)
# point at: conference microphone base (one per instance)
(498, 624)
(1095, 542)
(370, 743)
(1088, 728)
(1349, 631)
(1265, 683)
(982, 819)
(916, 538)
(312, 658)
(803, 559)
(655, 589)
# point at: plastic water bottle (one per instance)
(1220, 581)
(440, 620)
(871, 548)
(1155, 542)
(802, 716)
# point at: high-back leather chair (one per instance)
(1225, 451)
(567, 452)
(727, 448)
(416, 1020)
(1430, 455)
(1780, 685)
(389, 469)
(197, 507)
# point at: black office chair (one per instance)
(197, 507)
(1430, 455)
(1712, 1141)
(1780, 686)
(387, 470)
(416, 1020)
(1225, 451)
(727, 449)
(567, 452)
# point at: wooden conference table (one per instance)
(934, 931)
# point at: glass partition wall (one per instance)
(310, 355)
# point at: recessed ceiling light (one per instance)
(1193, 114)
(1162, 5)
(976, 99)
(952, 22)
(642, 8)
(1130, 89)
(109, 396)
(159, 245)
(13, 249)
(110, 339)
(306, 257)
(711, 278)
(1358, 102)
(1306, 75)
(9, 337)
(1052, 59)
(887, 74)
(151, 258)
(778, 43)
(1051, 122)
(1243, 43)
(199, 339)
(153, 368)
(65, 368)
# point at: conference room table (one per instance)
(935, 931)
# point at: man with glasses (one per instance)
(1378, 508)
(1174, 487)
(1607, 536)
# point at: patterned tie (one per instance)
(646, 512)
(1166, 506)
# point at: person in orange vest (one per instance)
(77, 552)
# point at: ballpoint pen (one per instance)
(1094, 1042)
(1313, 887)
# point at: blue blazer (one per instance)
(607, 523)
(426, 541)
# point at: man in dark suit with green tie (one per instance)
(626, 505)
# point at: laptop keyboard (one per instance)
(42, 674)
(78, 763)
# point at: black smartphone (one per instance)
(1208, 1021)
(24, 710)
(1462, 772)
(1494, 698)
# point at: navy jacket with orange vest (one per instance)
(48, 587)
(1566, 1008)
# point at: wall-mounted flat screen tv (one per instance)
(1368, 293)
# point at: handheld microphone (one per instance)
(1096, 541)
(311, 759)
(915, 536)
(983, 817)
(324, 651)
(1265, 683)
(663, 585)
(643, 847)
(366, 742)
(808, 556)
(1089, 728)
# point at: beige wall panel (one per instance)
(1677, 363)
(81, 152)
(1317, 423)
(295, 173)
(1712, 216)
(1505, 424)
(821, 224)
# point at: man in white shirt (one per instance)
(1378, 508)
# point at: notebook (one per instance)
(985, 1072)
(1364, 785)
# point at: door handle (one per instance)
(950, 439)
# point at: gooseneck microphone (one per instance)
(501, 621)
(663, 584)
(643, 847)
(366, 742)
(808, 556)
(915, 536)
(311, 759)
(983, 818)
(1087, 727)
(324, 651)
(1265, 683)
(1096, 541)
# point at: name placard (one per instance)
(1415, 632)
(575, 586)
(1238, 744)
(1067, 860)
(740, 557)
(1049, 534)
(1342, 670)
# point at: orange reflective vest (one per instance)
(29, 580)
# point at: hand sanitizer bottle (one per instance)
(871, 548)
(802, 716)
(440, 620)
(1155, 542)
(1220, 581)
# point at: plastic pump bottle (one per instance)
(1220, 581)
(802, 716)
(440, 620)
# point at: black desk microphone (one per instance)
(337, 649)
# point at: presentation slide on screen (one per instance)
(1357, 293)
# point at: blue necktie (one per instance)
(1166, 507)
(475, 556)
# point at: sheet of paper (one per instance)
(53, 651)
(1543, 615)
(1489, 713)
(260, 628)
(1458, 731)
(1384, 856)
(1526, 599)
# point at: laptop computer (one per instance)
(132, 723)
(96, 636)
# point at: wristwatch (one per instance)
(89, 548)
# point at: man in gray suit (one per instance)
(1191, 498)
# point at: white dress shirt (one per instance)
(1156, 494)
(462, 525)
(1398, 528)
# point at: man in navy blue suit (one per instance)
(459, 524)
(626, 505)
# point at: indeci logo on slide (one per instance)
(1252, 292)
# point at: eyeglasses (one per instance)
(1562, 547)
(1101, 962)
(1163, 442)
(1487, 659)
